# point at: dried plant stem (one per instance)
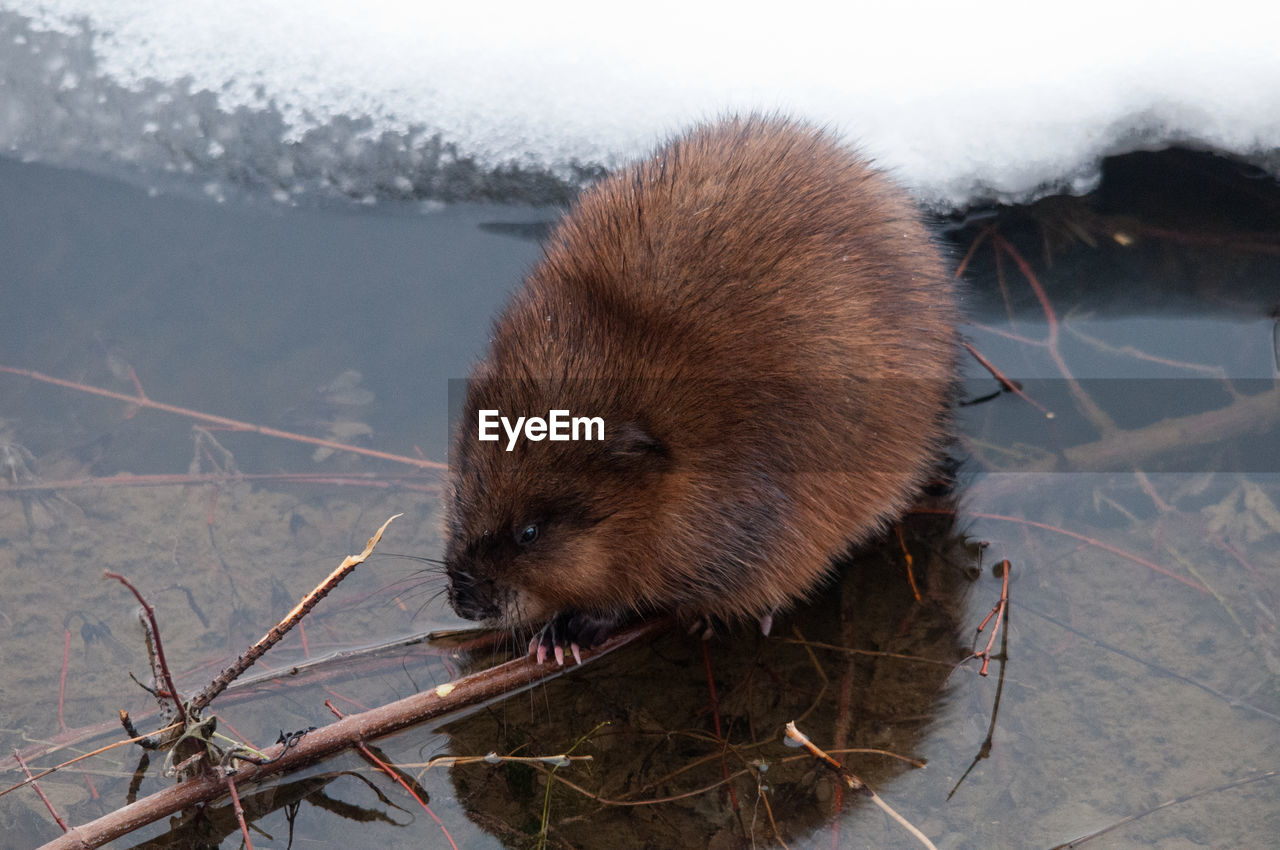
(235, 802)
(125, 479)
(1006, 383)
(221, 421)
(653, 801)
(397, 777)
(470, 690)
(1088, 407)
(93, 753)
(999, 613)
(773, 824)
(62, 678)
(1107, 547)
(250, 687)
(856, 784)
(280, 629)
(1076, 842)
(715, 716)
(153, 630)
(1124, 449)
(35, 784)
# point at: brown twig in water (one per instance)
(1006, 383)
(558, 760)
(396, 776)
(1094, 542)
(973, 249)
(32, 781)
(910, 561)
(1123, 449)
(62, 679)
(1268, 244)
(715, 716)
(1129, 449)
(279, 630)
(872, 653)
(1076, 842)
(1001, 615)
(154, 631)
(984, 751)
(1096, 415)
(854, 783)
(1163, 671)
(1138, 354)
(251, 686)
(239, 810)
(115, 744)
(653, 801)
(768, 810)
(125, 479)
(470, 690)
(222, 421)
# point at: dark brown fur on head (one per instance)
(768, 333)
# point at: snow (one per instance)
(965, 103)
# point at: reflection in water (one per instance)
(863, 668)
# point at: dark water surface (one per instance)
(1141, 521)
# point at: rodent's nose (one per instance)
(467, 599)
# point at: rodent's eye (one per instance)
(527, 535)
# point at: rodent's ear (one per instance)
(630, 441)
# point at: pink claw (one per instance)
(766, 623)
(577, 656)
(559, 655)
(542, 653)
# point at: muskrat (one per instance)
(767, 331)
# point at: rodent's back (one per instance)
(768, 332)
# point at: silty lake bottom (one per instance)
(1133, 490)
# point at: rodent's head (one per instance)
(537, 529)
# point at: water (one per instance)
(1143, 661)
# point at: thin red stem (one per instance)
(226, 422)
(1098, 543)
(35, 785)
(62, 681)
(395, 774)
(155, 635)
(239, 810)
(715, 719)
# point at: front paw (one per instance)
(573, 631)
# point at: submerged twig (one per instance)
(1076, 842)
(1156, 668)
(1007, 384)
(396, 776)
(34, 782)
(221, 421)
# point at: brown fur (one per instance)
(768, 332)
